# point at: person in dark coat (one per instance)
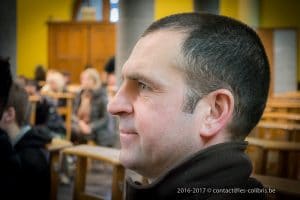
(193, 88)
(90, 119)
(7, 179)
(46, 116)
(6, 81)
(30, 170)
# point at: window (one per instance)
(93, 10)
(114, 11)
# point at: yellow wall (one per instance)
(272, 14)
(280, 13)
(32, 16)
(229, 8)
(32, 44)
(163, 8)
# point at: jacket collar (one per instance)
(215, 166)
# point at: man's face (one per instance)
(154, 131)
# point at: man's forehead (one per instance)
(133, 69)
(163, 35)
(162, 43)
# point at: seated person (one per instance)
(46, 112)
(32, 174)
(40, 75)
(7, 165)
(55, 83)
(90, 118)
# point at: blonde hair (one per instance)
(56, 77)
(93, 74)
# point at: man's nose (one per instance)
(120, 103)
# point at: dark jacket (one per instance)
(28, 170)
(9, 165)
(218, 172)
(101, 122)
(47, 116)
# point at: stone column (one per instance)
(209, 6)
(135, 17)
(8, 33)
(249, 12)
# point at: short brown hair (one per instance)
(220, 52)
(19, 100)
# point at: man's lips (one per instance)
(127, 132)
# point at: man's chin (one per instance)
(127, 160)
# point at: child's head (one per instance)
(17, 108)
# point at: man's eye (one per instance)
(143, 86)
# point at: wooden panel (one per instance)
(102, 44)
(266, 36)
(67, 48)
(74, 45)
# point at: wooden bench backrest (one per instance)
(285, 167)
(109, 155)
(289, 95)
(281, 120)
(74, 88)
(33, 101)
(64, 110)
(287, 116)
(105, 154)
(54, 148)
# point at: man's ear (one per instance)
(220, 105)
(9, 115)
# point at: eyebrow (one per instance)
(137, 76)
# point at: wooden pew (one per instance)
(33, 101)
(284, 188)
(280, 119)
(283, 105)
(277, 130)
(286, 116)
(55, 148)
(74, 88)
(65, 110)
(105, 154)
(287, 159)
(285, 126)
(289, 95)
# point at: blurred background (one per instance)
(70, 35)
(52, 44)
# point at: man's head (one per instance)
(191, 81)
(5, 83)
(17, 109)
